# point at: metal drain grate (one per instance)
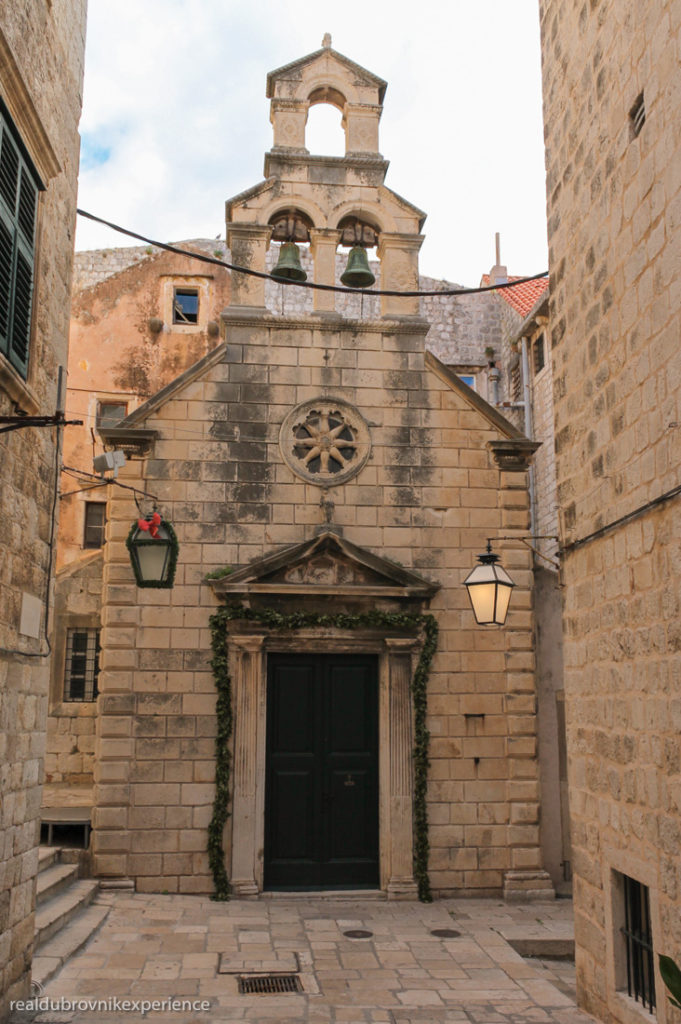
(269, 984)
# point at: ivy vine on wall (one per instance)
(298, 620)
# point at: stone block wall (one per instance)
(460, 329)
(41, 69)
(614, 198)
(428, 497)
(69, 754)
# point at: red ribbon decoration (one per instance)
(151, 525)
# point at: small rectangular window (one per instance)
(95, 521)
(467, 378)
(19, 187)
(82, 665)
(638, 939)
(538, 357)
(185, 306)
(110, 413)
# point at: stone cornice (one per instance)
(236, 316)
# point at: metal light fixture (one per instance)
(153, 548)
(489, 588)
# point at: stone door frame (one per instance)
(248, 663)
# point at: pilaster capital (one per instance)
(248, 642)
(391, 240)
(238, 232)
(401, 645)
(323, 237)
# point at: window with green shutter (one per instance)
(19, 187)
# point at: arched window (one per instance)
(324, 133)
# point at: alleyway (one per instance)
(158, 947)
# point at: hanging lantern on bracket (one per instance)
(153, 548)
(489, 588)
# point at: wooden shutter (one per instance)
(18, 205)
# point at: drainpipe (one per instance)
(527, 401)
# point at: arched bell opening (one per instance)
(291, 256)
(360, 237)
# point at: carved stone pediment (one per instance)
(326, 565)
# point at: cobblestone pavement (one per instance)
(189, 948)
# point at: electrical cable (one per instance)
(627, 518)
(81, 490)
(72, 470)
(444, 292)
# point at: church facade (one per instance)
(311, 705)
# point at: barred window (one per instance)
(82, 665)
(95, 521)
(638, 940)
(19, 187)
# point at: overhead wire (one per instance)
(203, 258)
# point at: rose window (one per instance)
(325, 442)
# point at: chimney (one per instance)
(498, 274)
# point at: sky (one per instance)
(175, 119)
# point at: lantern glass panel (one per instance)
(489, 589)
(152, 557)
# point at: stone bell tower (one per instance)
(323, 200)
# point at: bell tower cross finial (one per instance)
(326, 41)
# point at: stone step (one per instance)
(54, 953)
(58, 911)
(53, 879)
(47, 856)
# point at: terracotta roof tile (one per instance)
(524, 297)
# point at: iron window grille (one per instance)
(82, 665)
(95, 522)
(110, 413)
(19, 187)
(638, 938)
(185, 306)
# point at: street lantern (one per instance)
(489, 589)
(153, 548)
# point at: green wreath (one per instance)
(225, 719)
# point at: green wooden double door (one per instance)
(321, 797)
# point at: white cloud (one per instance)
(175, 91)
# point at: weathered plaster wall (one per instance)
(116, 355)
(41, 69)
(428, 497)
(613, 207)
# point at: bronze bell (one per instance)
(288, 265)
(357, 273)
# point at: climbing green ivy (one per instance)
(297, 620)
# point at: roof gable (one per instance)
(448, 377)
(290, 70)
